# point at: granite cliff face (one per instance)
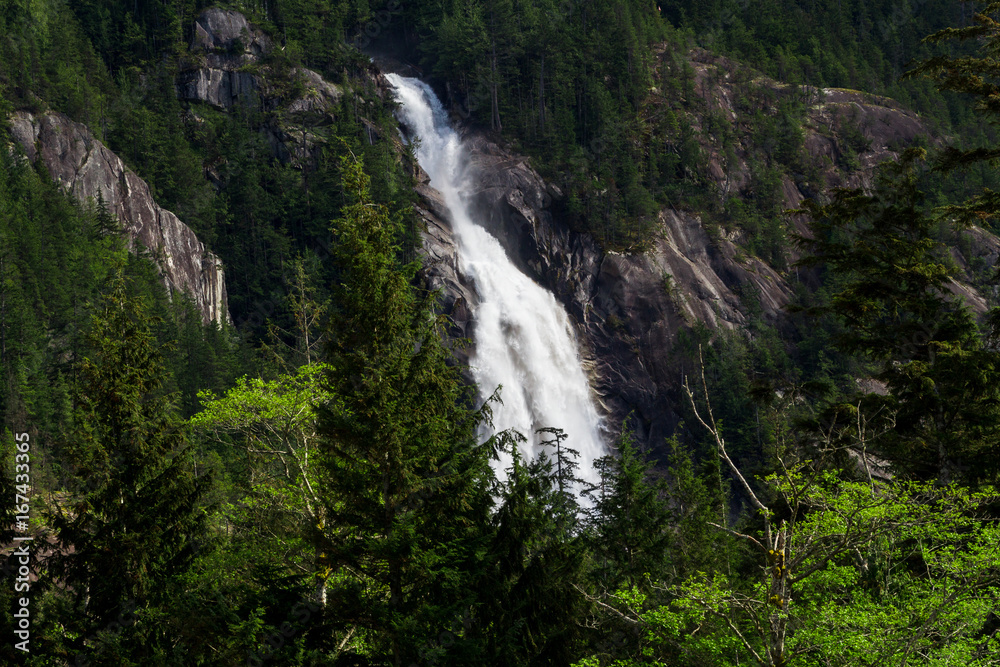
(441, 272)
(223, 45)
(89, 170)
(630, 308)
(227, 65)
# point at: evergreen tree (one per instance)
(403, 483)
(129, 527)
(530, 592)
(974, 75)
(942, 413)
(630, 520)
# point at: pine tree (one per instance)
(307, 320)
(129, 527)
(970, 75)
(941, 417)
(401, 478)
(530, 596)
(630, 537)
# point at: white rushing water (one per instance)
(523, 337)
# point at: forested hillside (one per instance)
(773, 225)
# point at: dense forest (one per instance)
(312, 479)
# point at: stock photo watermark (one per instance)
(380, 21)
(22, 552)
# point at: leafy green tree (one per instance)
(275, 422)
(860, 575)
(848, 573)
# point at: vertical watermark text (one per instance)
(22, 507)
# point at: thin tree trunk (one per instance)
(541, 97)
(494, 98)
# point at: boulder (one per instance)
(219, 87)
(227, 39)
(226, 70)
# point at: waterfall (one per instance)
(524, 340)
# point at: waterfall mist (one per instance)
(524, 340)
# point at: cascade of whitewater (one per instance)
(523, 337)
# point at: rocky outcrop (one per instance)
(225, 68)
(218, 87)
(441, 264)
(90, 171)
(227, 39)
(222, 44)
(628, 308)
(845, 133)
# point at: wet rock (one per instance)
(441, 270)
(629, 309)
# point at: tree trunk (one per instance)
(395, 571)
(779, 598)
(494, 97)
(541, 97)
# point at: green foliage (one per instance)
(875, 574)
(630, 535)
(529, 588)
(402, 481)
(130, 525)
(893, 298)
(354, 517)
(972, 75)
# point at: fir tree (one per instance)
(630, 537)
(402, 481)
(530, 591)
(129, 528)
(941, 417)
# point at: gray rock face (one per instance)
(219, 87)
(441, 272)
(320, 95)
(224, 45)
(227, 71)
(628, 309)
(228, 39)
(223, 42)
(87, 169)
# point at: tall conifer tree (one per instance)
(941, 416)
(403, 483)
(129, 528)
